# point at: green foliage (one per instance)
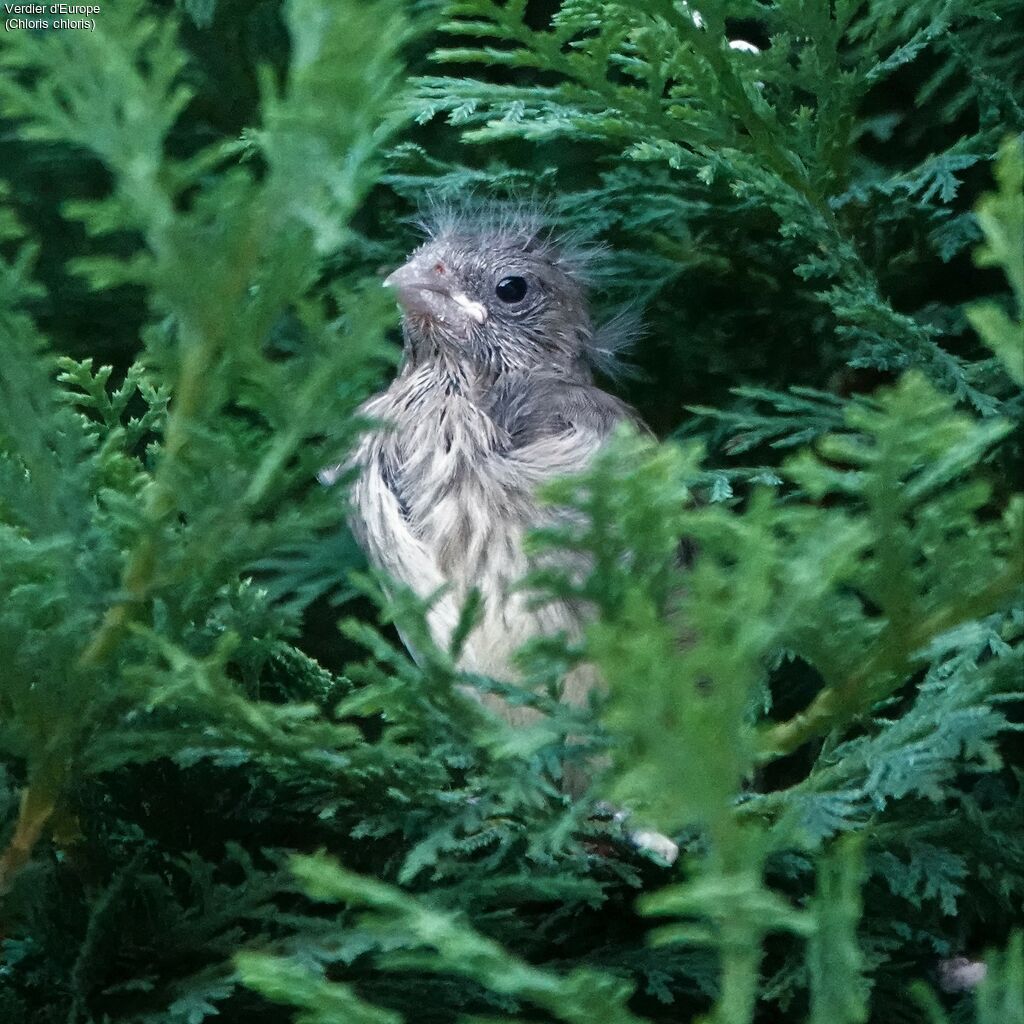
(820, 702)
(1002, 220)
(730, 143)
(440, 944)
(1000, 994)
(116, 530)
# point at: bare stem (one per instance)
(37, 804)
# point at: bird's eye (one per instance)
(511, 289)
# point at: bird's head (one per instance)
(495, 291)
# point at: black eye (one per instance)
(511, 289)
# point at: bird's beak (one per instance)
(410, 277)
(426, 291)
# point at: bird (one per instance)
(494, 396)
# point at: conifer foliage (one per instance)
(219, 802)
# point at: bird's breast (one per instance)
(439, 503)
(440, 456)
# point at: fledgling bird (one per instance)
(494, 397)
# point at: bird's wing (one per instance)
(555, 426)
(529, 405)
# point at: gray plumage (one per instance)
(494, 397)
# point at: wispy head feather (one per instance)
(611, 342)
(459, 289)
(529, 223)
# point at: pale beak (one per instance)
(410, 276)
(427, 292)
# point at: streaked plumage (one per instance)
(493, 398)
